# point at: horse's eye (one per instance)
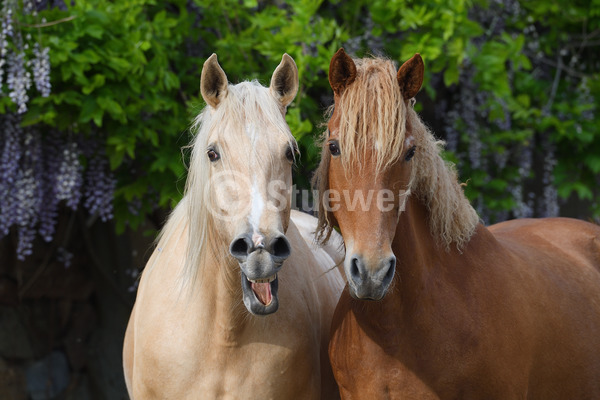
(212, 155)
(410, 153)
(289, 154)
(334, 148)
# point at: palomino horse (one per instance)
(463, 311)
(205, 325)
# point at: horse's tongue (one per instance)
(263, 292)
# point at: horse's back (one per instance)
(558, 266)
(327, 280)
(562, 238)
(334, 248)
(315, 264)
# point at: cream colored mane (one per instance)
(374, 113)
(246, 102)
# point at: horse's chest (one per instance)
(411, 361)
(367, 367)
(256, 370)
(247, 368)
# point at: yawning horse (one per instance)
(218, 313)
(438, 306)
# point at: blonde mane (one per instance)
(369, 119)
(246, 103)
(452, 219)
(372, 103)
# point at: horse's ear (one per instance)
(213, 82)
(342, 71)
(284, 82)
(410, 76)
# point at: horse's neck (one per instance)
(414, 245)
(422, 261)
(220, 294)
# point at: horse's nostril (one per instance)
(281, 248)
(239, 248)
(354, 272)
(389, 275)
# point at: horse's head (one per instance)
(366, 171)
(248, 152)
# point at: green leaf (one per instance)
(118, 64)
(171, 80)
(450, 75)
(593, 162)
(89, 108)
(95, 31)
(145, 45)
(524, 100)
(116, 158)
(96, 81)
(111, 106)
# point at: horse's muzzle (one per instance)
(369, 283)
(278, 247)
(259, 264)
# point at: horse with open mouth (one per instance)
(236, 301)
(437, 305)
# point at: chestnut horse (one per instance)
(438, 306)
(218, 313)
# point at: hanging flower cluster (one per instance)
(39, 171)
(18, 61)
(469, 115)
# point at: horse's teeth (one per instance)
(264, 280)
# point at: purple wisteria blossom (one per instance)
(16, 70)
(5, 32)
(51, 166)
(40, 65)
(38, 171)
(27, 192)
(26, 211)
(99, 185)
(69, 177)
(10, 140)
(64, 256)
(18, 80)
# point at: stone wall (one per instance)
(63, 312)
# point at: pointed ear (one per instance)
(284, 82)
(410, 76)
(342, 71)
(213, 82)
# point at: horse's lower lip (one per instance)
(268, 279)
(258, 298)
(357, 294)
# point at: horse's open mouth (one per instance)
(260, 295)
(262, 289)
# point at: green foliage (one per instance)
(251, 37)
(118, 72)
(545, 83)
(128, 71)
